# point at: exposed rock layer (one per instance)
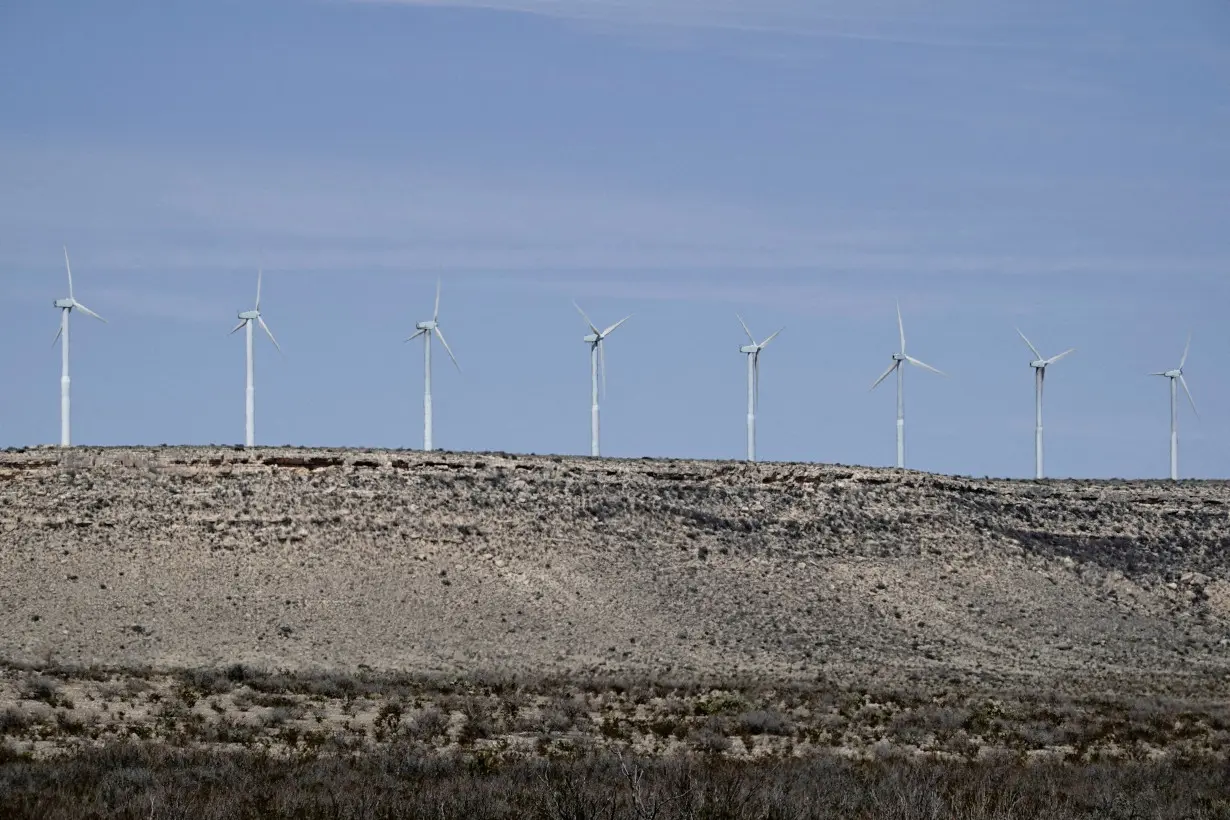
(405, 560)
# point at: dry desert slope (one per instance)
(297, 559)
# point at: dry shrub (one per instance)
(155, 782)
(428, 724)
(41, 688)
(764, 722)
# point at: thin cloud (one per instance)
(806, 297)
(159, 298)
(174, 214)
(156, 302)
(950, 24)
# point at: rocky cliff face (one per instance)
(404, 560)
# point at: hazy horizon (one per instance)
(1052, 167)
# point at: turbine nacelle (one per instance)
(597, 335)
(433, 326)
(755, 347)
(597, 350)
(426, 330)
(1176, 381)
(247, 317)
(1177, 373)
(899, 361)
(752, 351)
(67, 306)
(1041, 363)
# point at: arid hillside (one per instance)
(341, 559)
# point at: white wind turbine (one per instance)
(753, 383)
(1176, 379)
(246, 319)
(1039, 365)
(426, 329)
(67, 306)
(900, 359)
(597, 362)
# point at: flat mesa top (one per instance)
(724, 470)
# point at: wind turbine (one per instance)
(1039, 365)
(1176, 379)
(900, 359)
(597, 361)
(67, 306)
(246, 319)
(426, 329)
(753, 383)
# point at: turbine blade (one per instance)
(269, 333)
(756, 381)
(1192, 401)
(885, 374)
(259, 274)
(602, 364)
(1037, 355)
(416, 335)
(587, 319)
(59, 333)
(924, 365)
(1054, 359)
(1186, 349)
(901, 327)
(238, 326)
(69, 268)
(440, 333)
(436, 313)
(750, 337)
(608, 331)
(771, 338)
(89, 312)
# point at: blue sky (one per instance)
(1060, 166)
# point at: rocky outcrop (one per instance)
(403, 560)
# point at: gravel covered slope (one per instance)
(340, 558)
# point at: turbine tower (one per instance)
(753, 383)
(66, 307)
(1039, 365)
(1176, 379)
(900, 359)
(426, 329)
(246, 319)
(597, 362)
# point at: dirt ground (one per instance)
(405, 563)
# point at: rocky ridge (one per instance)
(300, 559)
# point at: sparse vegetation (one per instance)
(743, 719)
(152, 782)
(603, 638)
